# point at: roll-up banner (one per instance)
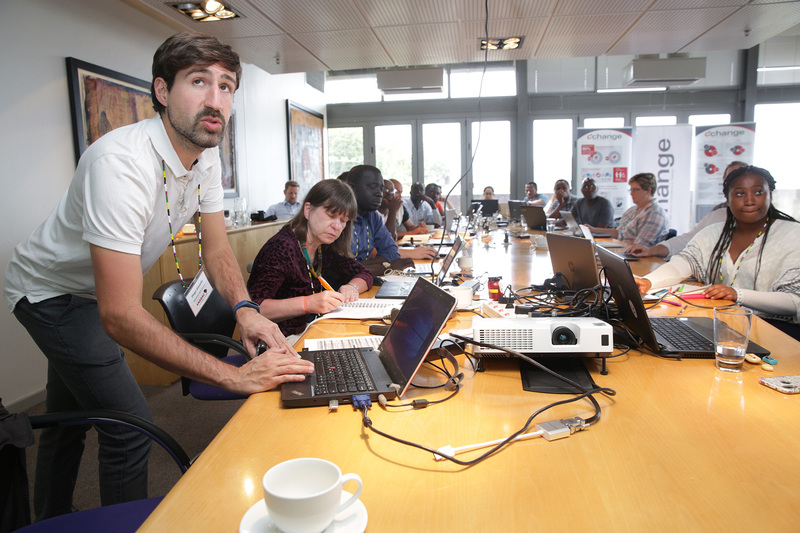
(666, 152)
(605, 155)
(715, 147)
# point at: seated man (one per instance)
(391, 209)
(532, 195)
(561, 200)
(593, 209)
(421, 210)
(290, 206)
(372, 244)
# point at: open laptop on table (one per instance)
(574, 258)
(374, 371)
(401, 289)
(488, 207)
(515, 209)
(667, 336)
(575, 228)
(535, 218)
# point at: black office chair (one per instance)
(16, 433)
(211, 331)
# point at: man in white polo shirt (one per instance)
(76, 282)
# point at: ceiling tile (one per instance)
(383, 13)
(346, 50)
(304, 16)
(583, 36)
(428, 44)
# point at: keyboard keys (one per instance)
(341, 371)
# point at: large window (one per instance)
(345, 149)
(710, 120)
(491, 148)
(441, 154)
(393, 153)
(552, 152)
(469, 82)
(665, 120)
(604, 122)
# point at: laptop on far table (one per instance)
(535, 218)
(667, 336)
(374, 371)
(401, 289)
(574, 258)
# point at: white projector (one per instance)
(548, 335)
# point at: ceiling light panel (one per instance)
(596, 7)
(582, 36)
(249, 23)
(306, 16)
(473, 31)
(763, 21)
(668, 31)
(428, 44)
(361, 49)
(383, 13)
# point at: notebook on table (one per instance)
(675, 336)
(341, 373)
(535, 218)
(401, 289)
(574, 258)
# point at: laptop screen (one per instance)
(448, 259)
(414, 330)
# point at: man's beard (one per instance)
(194, 133)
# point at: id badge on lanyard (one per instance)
(198, 292)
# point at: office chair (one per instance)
(211, 331)
(123, 517)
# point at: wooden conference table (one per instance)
(681, 447)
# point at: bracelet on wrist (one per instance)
(305, 307)
(355, 287)
(246, 303)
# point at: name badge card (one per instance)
(199, 292)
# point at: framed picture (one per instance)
(227, 155)
(305, 146)
(103, 100)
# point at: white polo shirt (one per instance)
(116, 201)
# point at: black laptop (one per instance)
(515, 209)
(673, 336)
(487, 207)
(401, 289)
(341, 373)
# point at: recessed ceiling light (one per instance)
(205, 11)
(505, 43)
(777, 69)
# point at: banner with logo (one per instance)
(605, 155)
(666, 152)
(715, 147)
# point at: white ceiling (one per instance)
(282, 36)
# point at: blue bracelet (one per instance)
(245, 303)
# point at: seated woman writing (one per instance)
(290, 273)
(645, 223)
(752, 258)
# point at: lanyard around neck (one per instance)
(310, 265)
(172, 234)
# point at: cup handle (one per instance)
(350, 501)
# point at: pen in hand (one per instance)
(325, 283)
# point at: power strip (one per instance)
(494, 309)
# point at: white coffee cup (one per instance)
(463, 296)
(465, 262)
(540, 241)
(303, 495)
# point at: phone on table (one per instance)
(784, 384)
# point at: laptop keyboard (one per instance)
(341, 371)
(680, 335)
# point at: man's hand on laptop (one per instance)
(254, 327)
(269, 370)
(422, 252)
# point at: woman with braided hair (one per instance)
(753, 258)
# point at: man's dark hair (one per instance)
(357, 171)
(290, 183)
(186, 49)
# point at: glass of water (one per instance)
(551, 225)
(731, 333)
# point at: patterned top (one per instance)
(280, 271)
(648, 227)
(569, 205)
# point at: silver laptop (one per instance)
(401, 289)
(574, 259)
(535, 217)
(341, 373)
(574, 226)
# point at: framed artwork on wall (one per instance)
(103, 100)
(305, 145)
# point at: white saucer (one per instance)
(351, 520)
